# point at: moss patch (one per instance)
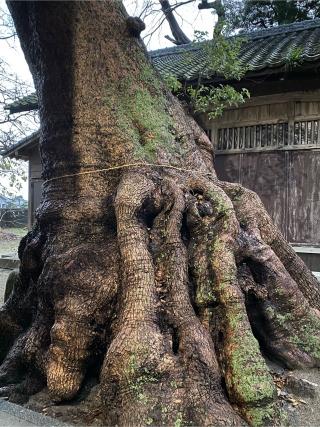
(249, 376)
(248, 379)
(153, 123)
(141, 114)
(261, 416)
(307, 331)
(308, 339)
(137, 379)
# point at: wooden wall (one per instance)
(288, 183)
(283, 169)
(35, 182)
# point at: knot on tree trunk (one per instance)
(135, 26)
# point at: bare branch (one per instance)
(179, 36)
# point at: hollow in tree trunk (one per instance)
(154, 273)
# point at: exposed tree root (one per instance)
(290, 307)
(204, 400)
(252, 214)
(247, 379)
(166, 284)
(177, 303)
(90, 275)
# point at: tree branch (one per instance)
(179, 36)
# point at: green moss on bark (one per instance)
(304, 333)
(143, 118)
(262, 416)
(251, 380)
(307, 339)
(248, 379)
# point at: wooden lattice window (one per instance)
(209, 133)
(296, 133)
(306, 132)
(256, 136)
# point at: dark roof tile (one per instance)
(262, 49)
(29, 102)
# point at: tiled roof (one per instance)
(23, 143)
(27, 103)
(262, 50)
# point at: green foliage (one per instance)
(215, 100)
(268, 13)
(223, 52)
(223, 55)
(293, 58)
(260, 14)
(223, 60)
(172, 83)
(200, 36)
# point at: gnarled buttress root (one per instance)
(173, 308)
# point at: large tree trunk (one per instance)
(153, 273)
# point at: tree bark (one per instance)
(166, 282)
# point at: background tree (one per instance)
(178, 35)
(143, 268)
(12, 127)
(252, 14)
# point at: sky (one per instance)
(188, 16)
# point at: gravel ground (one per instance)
(8, 420)
(307, 414)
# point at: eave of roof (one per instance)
(26, 103)
(19, 146)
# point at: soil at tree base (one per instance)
(305, 414)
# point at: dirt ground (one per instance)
(308, 414)
(297, 410)
(9, 240)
